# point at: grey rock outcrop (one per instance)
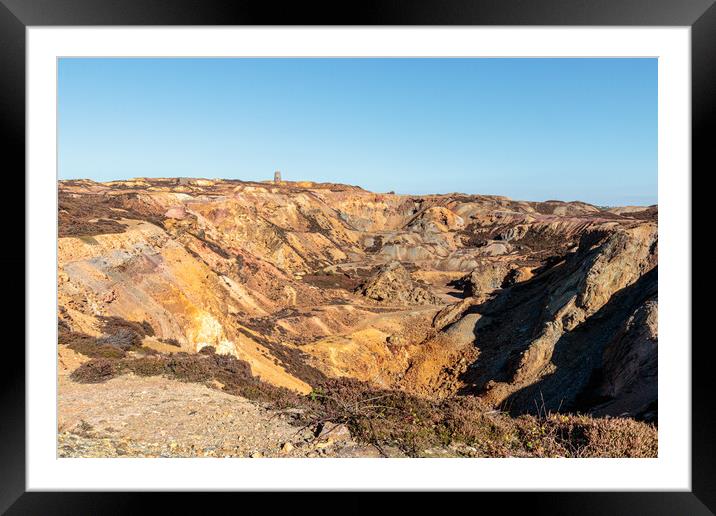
(392, 283)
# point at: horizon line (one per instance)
(390, 192)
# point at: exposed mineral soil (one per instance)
(527, 306)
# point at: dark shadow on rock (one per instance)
(512, 318)
(578, 361)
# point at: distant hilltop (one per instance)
(180, 183)
(221, 185)
(218, 187)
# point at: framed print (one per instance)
(413, 250)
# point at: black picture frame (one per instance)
(16, 15)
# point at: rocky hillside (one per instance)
(525, 307)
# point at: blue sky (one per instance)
(534, 129)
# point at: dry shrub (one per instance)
(330, 279)
(237, 379)
(116, 325)
(90, 346)
(584, 436)
(231, 372)
(188, 368)
(97, 370)
(413, 424)
(569, 435)
(82, 214)
(234, 374)
(278, 397)
(87, 215)
(146, 366)
(119, 336)
(377, 416)
(468, 420)
(62, 325)
(124, 339)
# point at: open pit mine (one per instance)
(229, 318)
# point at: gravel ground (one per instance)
(133, 416)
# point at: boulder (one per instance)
(392, 283)
(487, 277)
(436, 219)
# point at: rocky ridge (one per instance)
(525, 306)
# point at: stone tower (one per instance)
(277, 177)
